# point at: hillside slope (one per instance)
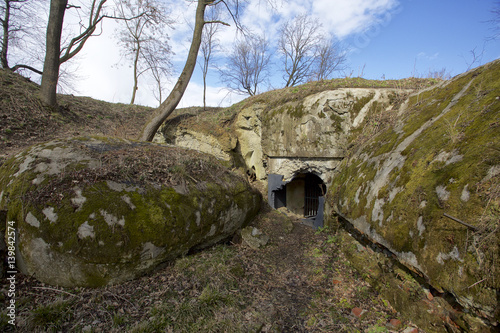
(24, 121)
(427, 188)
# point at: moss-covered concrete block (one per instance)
(441, 157)
(95, 211)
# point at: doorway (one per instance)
(304, 196)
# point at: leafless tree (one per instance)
(308, 52)
(441, 74)
(232, 8)
(495, 21)
(160, 68)
(330, 57)
(209, 43)
(298, 45)
(21, 24)
(476, 57)
(247, 65)
(144, 39)
(55, 54)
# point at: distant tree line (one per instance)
(305, 52)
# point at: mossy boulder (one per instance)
(440, 157)
(95, 211)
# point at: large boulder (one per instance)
(97, 211)
(412, 187)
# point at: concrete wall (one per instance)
(295, 196)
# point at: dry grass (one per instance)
(300, 282)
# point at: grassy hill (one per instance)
(24, 121)
(300, 282)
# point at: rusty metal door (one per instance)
(314, 188)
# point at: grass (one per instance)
(285, 286)
(51, 317)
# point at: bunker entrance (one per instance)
(304, 195)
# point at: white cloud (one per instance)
(425, 56)
(102, 79)
(346, 17)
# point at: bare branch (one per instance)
(218, 22)
(247, 65)
(19, 66)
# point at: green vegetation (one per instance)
(451, 133)
(51, 317)
(155, 201)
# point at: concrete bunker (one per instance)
(303, 195)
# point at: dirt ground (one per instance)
(299, 282)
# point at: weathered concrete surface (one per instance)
(393, 166)
(97, 211)
(441, 156)
(248, 129)
(307, 135)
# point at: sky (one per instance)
(384, 39)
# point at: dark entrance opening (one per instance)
(314, 188)
(280, 198)
(303, 196)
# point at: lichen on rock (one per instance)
(116, 209)
(436, 159)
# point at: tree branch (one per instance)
(16, 67)
(94, 19)
(218, 22)
(472, 227)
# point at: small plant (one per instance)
(324, 229)
(316, 253)
(118, 320)
(344, 304)
(332, 239)
(377, 329)
(212, 296)
(52, 316)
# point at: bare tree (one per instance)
(247, 65)
(20, 24)
(173, 99)
(55, 54)
(53, 50)
(168, 106)
(160, 68)
(232, 8)
(208, 44)
(298, 45)
(495, 21)
(144, 39)
(330, 57)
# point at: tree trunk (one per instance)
(173, 99)
(136, 79)
(5, 41)
(205, 89)
(53, 49)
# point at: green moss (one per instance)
(296, 112)
(464, 139)
(337, 122)
(360, 103)
(119, 223)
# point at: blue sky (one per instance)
(427, 35)
(390, 38)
